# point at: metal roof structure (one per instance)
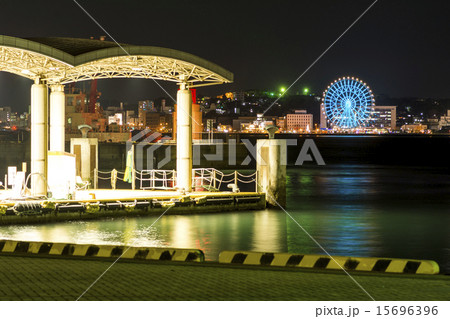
(66, 60)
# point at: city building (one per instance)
(413, 128)
(252, 124)
(76, 100)
(432, 124)
(160, 122)
(210, 124)
(444, 122)
(19, 120)
(299, 121)
(384, 117)
(152, 120)
(242, 123)
(224, 128)
(143, 108)
(131, 118)
(281, 123)
(117, 118)
(323, 119)
(78, 112)
(5, 114)
(75, 104)
(239, 96)
(263, 121)
(166, 108)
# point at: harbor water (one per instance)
(350, 210)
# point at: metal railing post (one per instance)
(113, 178)
(174, 178)
(235, 178)
(133, 168)
(95, 178)
(152, 179)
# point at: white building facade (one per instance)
(444, 121)
(299, 121)
(384, 117)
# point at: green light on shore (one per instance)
(282, 89)
(305, 90)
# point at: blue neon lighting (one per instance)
(348, 103)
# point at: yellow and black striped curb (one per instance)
(105, 251)
(388, 265)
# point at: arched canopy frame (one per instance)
(56, 65)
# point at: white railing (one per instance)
(157, 179)
(112, 175)
(203, 179)
(213, 179)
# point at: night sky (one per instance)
(400, 47)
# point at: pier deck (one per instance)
(37, 278)
(102, 203)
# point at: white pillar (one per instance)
(184, 139)
(39, 138)
(57, 118)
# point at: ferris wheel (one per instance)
(348, 103)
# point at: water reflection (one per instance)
(269, 232)
(356, 211)
(350, 233)
(181, 235)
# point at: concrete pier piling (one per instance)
(271, 170)
(86, 153)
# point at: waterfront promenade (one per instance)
(37, 278)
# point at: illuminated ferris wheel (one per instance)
(348, 103)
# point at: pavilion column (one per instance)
(57, 118)
(184, 138)
(39, 138)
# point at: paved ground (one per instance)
(36, 278)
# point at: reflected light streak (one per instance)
(266, 233)
(181, 235)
